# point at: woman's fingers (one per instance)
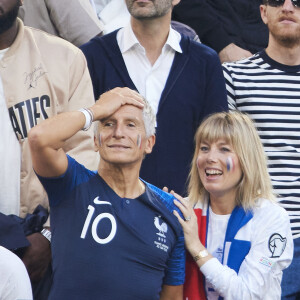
(180, 205)
(187, 212)
(165, 189)
(184, 201)
(181, 221)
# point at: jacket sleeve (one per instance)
(75, 20)
(215, 93)
(199, 15)
(81, 145)
(260, 273)
(12, 235)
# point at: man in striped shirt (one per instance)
(266, 86)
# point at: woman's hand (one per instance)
(189, 224)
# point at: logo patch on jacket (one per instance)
(276, 244)
(31, 78)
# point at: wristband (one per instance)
(89, 118)
(47, 234)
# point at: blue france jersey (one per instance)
(110, 248)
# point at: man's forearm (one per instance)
(54, 131)
(47, 138)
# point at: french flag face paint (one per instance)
(100, 140)
(229, 164)
(139, 141)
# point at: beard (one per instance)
(8, 19)
(288, 41)
(158, 9)
(287, 36)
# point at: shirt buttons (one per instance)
(127, 201)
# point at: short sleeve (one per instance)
(175, 273)
(58, 187)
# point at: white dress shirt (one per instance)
(149, 80)
(10, 160)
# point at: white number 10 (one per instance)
(95, 225)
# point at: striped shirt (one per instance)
(269, 92)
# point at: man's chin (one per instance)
(5, 27)
(287, 37)
(8, 20)
(122, 160)
(289, 41)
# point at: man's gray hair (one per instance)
(149, 118)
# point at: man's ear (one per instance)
(96, 143)
(150, 142)
(263, 13)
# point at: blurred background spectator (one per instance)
(74, 21)
(233, 28)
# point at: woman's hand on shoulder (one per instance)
(188, 222)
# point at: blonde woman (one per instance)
(238, 237)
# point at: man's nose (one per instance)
(118, 132)
(288, 5)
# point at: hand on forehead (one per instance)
(110, 102)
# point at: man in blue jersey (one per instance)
(181, 79)
(266, 86)
(114, 235)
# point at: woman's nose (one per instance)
(212, 155)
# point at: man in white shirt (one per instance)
(181, 79)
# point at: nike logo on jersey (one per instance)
(97, 201)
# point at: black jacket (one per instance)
(221, 22)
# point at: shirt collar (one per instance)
(129, 39)
(173, 40)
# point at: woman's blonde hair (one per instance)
(238, 130)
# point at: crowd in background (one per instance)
(193, 61)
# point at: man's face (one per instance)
(148, 9)
(8, 13)
(283, 23)
(122, 137)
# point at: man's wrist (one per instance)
(89, 118)
(47, 234)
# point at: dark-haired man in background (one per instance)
(181, 79)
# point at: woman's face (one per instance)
(219, 169)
